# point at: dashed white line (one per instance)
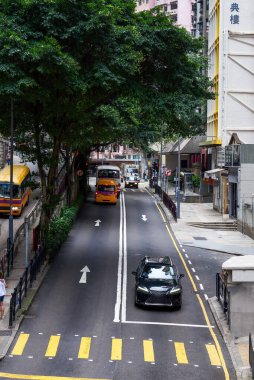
(201, 287)
(206, 296)
(193, 270)
(186, 255)
(197, 277)
(189, 262)
(183, 250)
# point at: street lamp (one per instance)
(11, 181)
(178, 181)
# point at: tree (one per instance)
(83, 73)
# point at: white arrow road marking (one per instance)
(97, 223)
(85, 270)
(144, 218)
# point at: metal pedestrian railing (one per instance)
(251, 354)
(25, 282)
(223, 295)
(11, 250)
(168, 202)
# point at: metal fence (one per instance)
(11, 250)
(25, 282)
(251, 355)
(166, 200)
(223, 295)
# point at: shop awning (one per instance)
(213, 173)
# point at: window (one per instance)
(174, 17)
(173, 5)
(108, 173)
(106, 188)
(165, 272)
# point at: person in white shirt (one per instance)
(2, 294)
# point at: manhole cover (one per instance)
(5, 332)
(199, 238)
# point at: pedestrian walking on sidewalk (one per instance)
(2, 294)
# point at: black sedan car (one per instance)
(158, 283)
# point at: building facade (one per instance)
(181, 11)
(230, 116)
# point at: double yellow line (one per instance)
(220, 354)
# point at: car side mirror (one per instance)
(181, 275)
(134, 273)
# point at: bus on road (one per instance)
(109, 172)
(106, 191)
(21, 190)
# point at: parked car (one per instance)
(158, 283)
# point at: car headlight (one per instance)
(175, 291)
(16, 208)
(142, 289)
(127, 183)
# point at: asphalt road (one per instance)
(84, 324)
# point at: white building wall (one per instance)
(246, 197)
(236, 68)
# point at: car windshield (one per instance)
(108, 173)
(158, 272)
(5, 190)
(106, 188)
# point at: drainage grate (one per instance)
(199, 238)
(5, 332)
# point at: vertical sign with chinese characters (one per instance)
(234, 13)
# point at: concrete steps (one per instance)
(225, 226)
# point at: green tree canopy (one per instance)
(84, 73)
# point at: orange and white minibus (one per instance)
(106, 191)
(109, 172)
(21, 190)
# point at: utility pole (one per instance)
(11, 181)
(178, 180)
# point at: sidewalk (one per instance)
(231, 242)
(7, 334)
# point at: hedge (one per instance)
(59, 228)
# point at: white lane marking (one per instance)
(83, 278)
(186, 255)
(124, 290)
(197, 277)
(119, 270)
(206, 296)
(201, 287)
(189, 262)
(193, 270)
(168, 324)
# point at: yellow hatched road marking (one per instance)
(84, 348)
(116, 351)
(52, 346)
(20, 344)
(12, 376)
(213, 354)
(148, 351)
(181, 353)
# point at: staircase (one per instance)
(224, 226)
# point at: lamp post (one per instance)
(178, 181)
(11, 181)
